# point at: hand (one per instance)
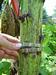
(6, 53)
(9, 46)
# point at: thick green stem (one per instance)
(29, 62)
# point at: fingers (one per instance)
(10, 38)
(6, 53)
(9, 57)
(7, 44)
(2, 53)
(10, 52)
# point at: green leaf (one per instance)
(6, 67)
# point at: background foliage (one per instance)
(48, 65)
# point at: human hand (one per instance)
(10, 54)
(9, 46)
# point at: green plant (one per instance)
(5, 67)
(48, 65)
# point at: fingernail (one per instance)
(18, 45)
